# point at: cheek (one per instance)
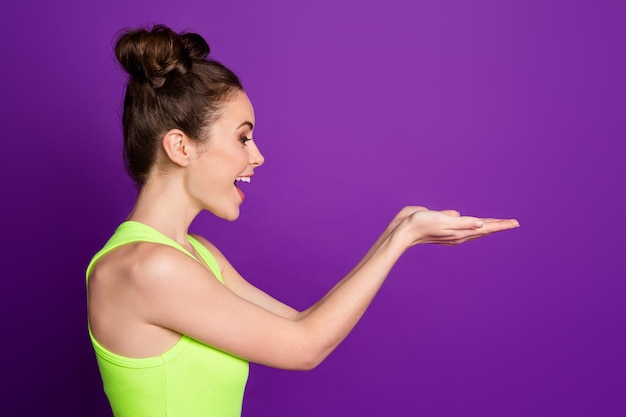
(234, 161)
(224, 165)
(223, 172)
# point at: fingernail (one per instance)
(515, 223)
(478, 224)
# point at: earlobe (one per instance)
(176, 146)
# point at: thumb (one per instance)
(466, 223)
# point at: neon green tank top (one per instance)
(190, 379)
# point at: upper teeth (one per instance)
(244, 179)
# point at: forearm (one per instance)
(373, 249)
(330, 320)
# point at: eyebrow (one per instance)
(246, 123)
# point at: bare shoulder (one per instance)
(138, 266)
(127, 288)
(137, 277)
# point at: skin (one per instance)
(143, 296)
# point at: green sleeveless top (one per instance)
(189, 380)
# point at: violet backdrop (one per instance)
(494, 108)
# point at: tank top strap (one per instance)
(207, 257)
(132, 231)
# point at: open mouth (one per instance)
(242, 179)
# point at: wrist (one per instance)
(397, 240)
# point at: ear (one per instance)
(178, 147)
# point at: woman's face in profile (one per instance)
(226, 160)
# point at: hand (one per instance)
(416, 225)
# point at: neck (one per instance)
(163, 205)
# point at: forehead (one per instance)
(237, 110)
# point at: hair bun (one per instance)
(153, 55)
(195, 45)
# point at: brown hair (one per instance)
(172, 85)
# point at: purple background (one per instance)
(511, 109)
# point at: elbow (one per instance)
(309, 363)
(304, 356)
(307, 350)
(304, 364)
(311, 356)
(307, 367)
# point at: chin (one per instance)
(232, 218)
(230, 215)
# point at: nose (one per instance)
(256, 157)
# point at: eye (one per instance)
(244, 139)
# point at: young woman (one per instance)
(172, 322)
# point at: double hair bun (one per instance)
(157, 54)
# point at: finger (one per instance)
(506, 223)
(452, 213)
(462, 236)
(498, 225)
(466, 239)
(468, 228)
(465, 223)
(491, 220)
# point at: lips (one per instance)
(242, 179)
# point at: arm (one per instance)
(398, 218)
(237, 284)
(240, 286)
(346, 302)
(208, 311)
(381, 239)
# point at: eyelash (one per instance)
(244, 139)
